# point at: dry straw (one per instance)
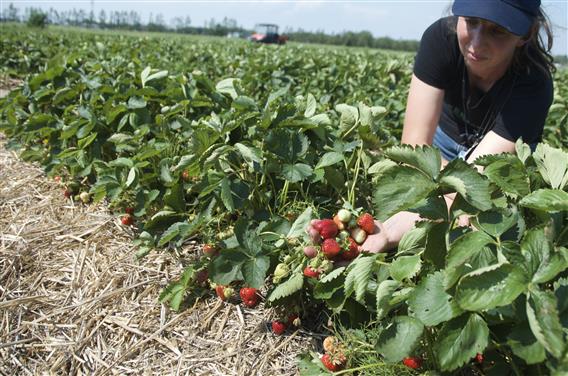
(74, 301)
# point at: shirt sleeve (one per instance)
(524, 114)
(435, 61)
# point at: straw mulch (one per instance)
(74, 301)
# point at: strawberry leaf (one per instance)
(430, 302)
(546, 200)
(385, 293)
(405, 267)
(175, 291)
(552, 164)
(460, 340)
(490, 287)
(358, 277)
(460, 177)
(293, 284)
(400, 189)
(400, 338)
(510, 175)
(544, 321)
(424, 158)
(524, 344)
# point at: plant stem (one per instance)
(372, 365)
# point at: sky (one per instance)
(398, 19)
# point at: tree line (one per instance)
(131, 20)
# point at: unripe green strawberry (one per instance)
(343, 235)
(344, 215)
(85, 197)
(326, 266)
(359, 235)
(280, 272)
(224, 292)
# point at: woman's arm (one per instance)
(423, 109)
(492, 143)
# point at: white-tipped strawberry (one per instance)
(310, 251)
(359, 235)
(314, 235)
(338, 222)
(344, 215)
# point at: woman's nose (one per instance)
(476, 35)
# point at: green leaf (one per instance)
(297, 172)
(175, 197)
(227, 195)
(460, 177)
(552, 164)
(251, 155)
(462, 249)
(424, 158)
(509, 175)
(405, 267)
(165, 174)
(175, 291)
(436, 249)
(496, 222)
(329, 159)
(523, 150)
(524, 344)
(544, 321)
(311, 105)
(349, 115)
(547, 200)
(329, 285)
(399, 189)
(227, 86)
(415, 238)
(136, 102)
(430, 303)
(358, 276)
(131, 176)
(460, 340)
(490, 287)
(542, 263)
(293, 284)
(170, 234)
(226, 267)
(399, 339)
(298, 227)
(255, 270)
(384, 295)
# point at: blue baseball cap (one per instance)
(516, 16)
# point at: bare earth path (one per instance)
(74, 301)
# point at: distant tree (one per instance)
(102, 17)
(37, 18)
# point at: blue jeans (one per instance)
(449, 148)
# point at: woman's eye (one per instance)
(471, 21)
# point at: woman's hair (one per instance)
(536, 50)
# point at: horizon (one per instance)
(398, 20)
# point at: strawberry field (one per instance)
(276, 160)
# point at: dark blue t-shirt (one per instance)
(515, 106)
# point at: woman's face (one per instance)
(486, 47)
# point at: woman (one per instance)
(482, 79)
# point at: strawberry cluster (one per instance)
(334, 358)
(337, 239)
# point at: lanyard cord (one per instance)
(471, 139)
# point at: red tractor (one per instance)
(267, 33)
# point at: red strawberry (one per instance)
(330, 248)
(127, 219)
(209, 250)
(311, 273)
(279, 327)
(129, 210)
(352, 250)
(293, 319)
(333, 364)
(185, 175)
(57, 178)
(224, 292)
(412, 362)
(310, 251)
(479, 358)
(367, 223)
(250, 296)
(326, 228)
(67, 193)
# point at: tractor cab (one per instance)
(267, 33)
